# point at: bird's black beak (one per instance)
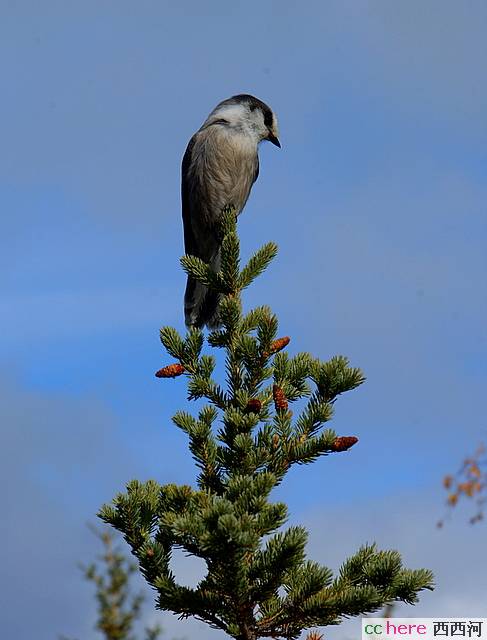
(272, 138)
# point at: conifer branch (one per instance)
(244, 441)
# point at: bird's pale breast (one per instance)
(223, 165)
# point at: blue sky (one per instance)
(377, 201)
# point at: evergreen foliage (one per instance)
(259, 583)
(118, 609)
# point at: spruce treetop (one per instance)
(259, 583)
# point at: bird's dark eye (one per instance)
(253, 107)
(268, 118)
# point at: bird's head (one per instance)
(249, 115)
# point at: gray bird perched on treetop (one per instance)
(219, 167)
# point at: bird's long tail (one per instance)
(201, 304)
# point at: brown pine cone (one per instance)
(254, 405)
(342, 443)
(278, 345)
(280, 401)
(171, 371)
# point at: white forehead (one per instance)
(231, 112)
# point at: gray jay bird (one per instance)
(219, 167)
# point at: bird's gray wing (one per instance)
(201, 236)
(256, 175)
(200, 214)
(189, 239)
